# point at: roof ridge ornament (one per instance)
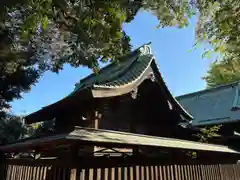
(146, 49)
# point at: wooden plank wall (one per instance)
(135, 172)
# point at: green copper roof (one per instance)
(119, 73)
(213, 106)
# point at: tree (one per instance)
(11, 129)
(208, 133)
(223, 72)
(44, 128)
(218, 25)
(17, 73)
(83, 32)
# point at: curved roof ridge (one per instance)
(144, 49)
(126, 71)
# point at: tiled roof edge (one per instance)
(208, 90)
(142, 49)
(105, 86)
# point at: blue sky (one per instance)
(182, 70)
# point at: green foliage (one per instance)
(205, 135)
(223, 72)
(170, 12)
(43, 128)
(208, 133)
(83, 32)
(11, 129)
(74, 32)
(219, 26)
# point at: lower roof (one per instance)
(98, 137)
(213, 106)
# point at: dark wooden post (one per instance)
(134, 120)
(96, 119)
(73, 156)
(2, 165)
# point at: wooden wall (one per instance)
(147, 113)
(116, 114)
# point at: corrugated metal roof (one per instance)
(213, 106)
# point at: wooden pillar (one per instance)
(2, 165)
(134, 120)
(96, 124)
(97, 119)
(73, 174)
(93, 119)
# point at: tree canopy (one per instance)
(223, 72)
(11, 129)
(218, 25)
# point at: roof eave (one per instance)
(48, 112)
(173, 100)
(99, 137)
(105, 91)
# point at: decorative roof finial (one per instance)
(146, 49)
(150, 42)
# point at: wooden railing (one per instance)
(39, 171)
(137, 172)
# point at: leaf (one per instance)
(45, 22)
(207, 54)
